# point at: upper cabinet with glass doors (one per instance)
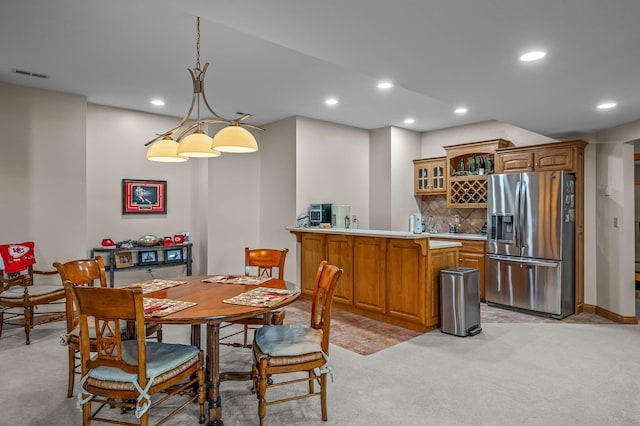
(429, 176)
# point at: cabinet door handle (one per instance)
(528, 164)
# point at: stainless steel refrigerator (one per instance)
(530, 242)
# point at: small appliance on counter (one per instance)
(415, 225)
(340, 215)
(319, 213)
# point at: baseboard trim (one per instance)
(591, 309)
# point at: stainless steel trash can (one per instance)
(460, 301)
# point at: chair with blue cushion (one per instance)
(129, 373)
(283, 349)
(85, 272)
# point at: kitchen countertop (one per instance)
(479, 237)
(392, 234)
(360, 232)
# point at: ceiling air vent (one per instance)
(30, 74)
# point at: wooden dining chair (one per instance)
(283, 349)
(263, 262)
(20, 295)
(85, 272)
(127, 373)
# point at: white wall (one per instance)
(116, 151)
(233, 210)
(278, 190)
(405, 147)
(332, 165)
(42, 172)
(379, 179)
(615, 199)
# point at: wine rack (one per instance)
(467, 188)
(468, 191)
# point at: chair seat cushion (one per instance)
(161, 358)
(288, 340)
(17, 292)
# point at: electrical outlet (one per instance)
(456, 218)
(615, 222)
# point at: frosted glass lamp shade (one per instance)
(234, 139)
(197, 144)
(165, 150)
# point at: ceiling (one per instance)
(279, 58)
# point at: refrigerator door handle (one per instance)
(517, 217)
(523, 216)
(523, 261)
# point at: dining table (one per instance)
(211, 310)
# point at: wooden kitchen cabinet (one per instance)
(312, 253)
(389, 279)
(473, 254)
(340, 253)
(429, 176)
(467, 188)
(406, 278)
(536, 159)
(369, 274)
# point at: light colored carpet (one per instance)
(510, 374)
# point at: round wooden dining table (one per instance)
(212, 311)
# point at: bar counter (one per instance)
(390, 276)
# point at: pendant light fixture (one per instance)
(192, 141)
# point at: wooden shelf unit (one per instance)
(470, 190)
(110, 261)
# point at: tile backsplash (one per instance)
(471, 220)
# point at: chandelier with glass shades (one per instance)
(191, 141)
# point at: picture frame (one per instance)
(149, 257)
(144, 196)
(173, 256)
(124, 259)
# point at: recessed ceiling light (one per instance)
(607, 105)
(409, 121)
(385, 85)
(461, 110)
(331, 101)
(533, 56)
(157, 102)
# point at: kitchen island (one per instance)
(388, 276)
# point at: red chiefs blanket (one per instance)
(17, 257)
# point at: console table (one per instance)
(160, 262)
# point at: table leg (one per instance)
(213, 379)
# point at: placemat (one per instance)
(161, 307)
(260, 297)
(237, 279)
(155, 285)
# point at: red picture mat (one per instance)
(260, 297)
(161, 307)
(155, 285)
(237, 279)
(144, 196)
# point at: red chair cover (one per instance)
(17, 257)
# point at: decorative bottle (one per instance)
(462, 164)
(473, 167)
(490, 164)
